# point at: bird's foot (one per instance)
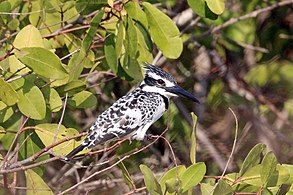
(148, 137)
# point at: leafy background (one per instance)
(64, 62)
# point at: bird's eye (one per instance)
(161, 82)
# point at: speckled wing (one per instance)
(123, 118)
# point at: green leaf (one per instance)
(55, 101)
(252, 159)
(83, 99)
(120, 39)
(71, 87)
(49, 134)
(216, 6)
(269, 164)
(198, 6)
(206, 189)
(134, 11)
(289, 168)
(110, 53)
(163, 31)
(150, 181)
(7, 94)
(35, 184)
(87, 41)
(76, 64)
(131, 39)
(13, 24)
(42, 62)
(253, 177)
(31, 100)
(223, 188)
(126, 175)
(5, 113)
(172, 173)
(192, 176)
(192, 154)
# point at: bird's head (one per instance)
(158, 81)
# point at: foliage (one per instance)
(64, 62)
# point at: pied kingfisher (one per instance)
(134, 113)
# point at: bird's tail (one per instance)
(75, 151)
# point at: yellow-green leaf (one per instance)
(49, 134)
(216, 6)
(28, 36)
(42, 62)
(83, 99)
(31, 102)
(7, 94)
(192, 154)
(150, 181)
(35, 184)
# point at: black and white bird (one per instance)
(134, 113)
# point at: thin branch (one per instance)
(244, 17)
(232, 151)
(110, 167)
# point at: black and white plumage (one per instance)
(134, 113)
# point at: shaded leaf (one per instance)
(223, 188)
(83, 99)
(55, 101)
(5, 113)
(192, 154)
(269, 165)
(163, 31)
(192, 176)
(150, 181)
(7, 94)
(40, 61)
(110, 53)
(76, 64)
(252, 159)
(126, 175)
(71, 87)
(35, 184)
(171, 174)
(87, 41)
(206, 189)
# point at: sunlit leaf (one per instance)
(29, 36)
(134, 11)
(49, 134)
(163, 31)
(40, 61)
(216, 6)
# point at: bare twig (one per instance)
(232, 151)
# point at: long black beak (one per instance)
(181, 92)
